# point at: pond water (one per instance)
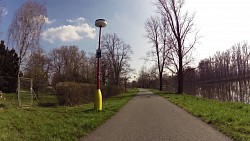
(237, 91)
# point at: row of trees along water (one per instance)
(232, 64)
(66, 63)
(223, 66)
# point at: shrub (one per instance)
(108, 91)
(72, 93)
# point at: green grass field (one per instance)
(58, 123)
(11, 100)
(231, 118)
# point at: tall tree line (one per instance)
(232, 64)
(69, 63)
(148, 78)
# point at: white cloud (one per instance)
(78, 20)
(47, 21)
(69, 33)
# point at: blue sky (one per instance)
(222, 23)
(71, 22)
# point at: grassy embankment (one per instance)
(58, 122)
(231, 118)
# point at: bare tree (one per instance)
(26, 27)
(24, 31)
(56, 64)
(104, 69)
(158, 33)
(118, 55)
(38, 69)
(181, 25)
(144, 77)
(68, 63)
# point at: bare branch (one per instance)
(118, 54)
(181, 26)
(26, 27)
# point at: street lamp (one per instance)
(98, 96)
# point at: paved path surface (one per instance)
(148, 117)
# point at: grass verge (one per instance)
(58, 123)
(11, 100)
(231, 118)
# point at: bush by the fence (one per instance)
(71, 93)
(108, 91)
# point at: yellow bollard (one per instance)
(98, 100)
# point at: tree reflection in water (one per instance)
(236, 91)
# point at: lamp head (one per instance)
(100, 23)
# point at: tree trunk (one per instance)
(180, 78)
(180, 81)
(180, 71)
(125, 84)
(160, 81)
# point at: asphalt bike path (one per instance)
(149, 117)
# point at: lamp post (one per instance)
(98, 96)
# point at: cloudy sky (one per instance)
(222, 23)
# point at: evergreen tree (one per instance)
(8, 69)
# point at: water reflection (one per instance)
(237, 91)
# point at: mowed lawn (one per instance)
(58, 123)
